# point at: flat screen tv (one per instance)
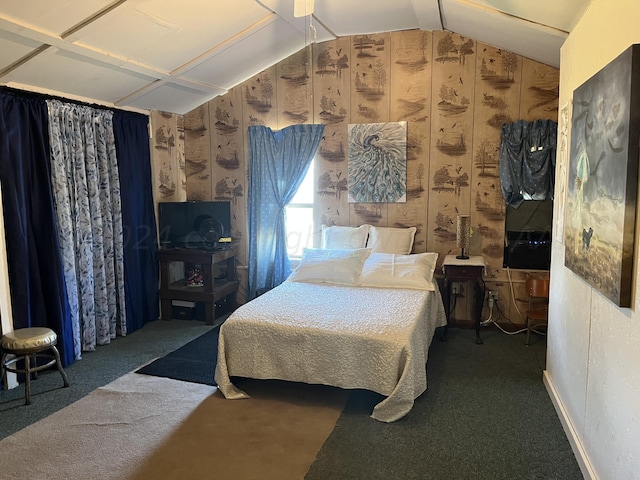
(193, 224)
(528, 235)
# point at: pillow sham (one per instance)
(336, 266)
(391, 240)
(390, 270)
(338, 237)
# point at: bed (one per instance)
(354, 319)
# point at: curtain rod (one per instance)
(47, 96)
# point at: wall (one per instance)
(453, 92)
(593, 356)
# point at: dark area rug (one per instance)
(194, 362)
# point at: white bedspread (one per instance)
(349, 337)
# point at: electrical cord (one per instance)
(490, 320)
(513, 295)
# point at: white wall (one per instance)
(593, 355)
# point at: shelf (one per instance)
(213, 290)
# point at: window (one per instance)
(299, 217)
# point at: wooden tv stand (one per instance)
(213, 290)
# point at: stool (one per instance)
(28, 344)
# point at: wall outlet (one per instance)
(493, 295)
(455, 288)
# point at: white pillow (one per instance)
(391, 240)
(340, 267)
(389, 270)
(337, 237)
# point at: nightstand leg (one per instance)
(480, 292)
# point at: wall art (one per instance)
(377, 162)
(603, 176)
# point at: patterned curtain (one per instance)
(528, 160)
(86, 190)
(278, 162)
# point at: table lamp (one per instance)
(463, 232)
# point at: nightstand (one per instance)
(469, 270)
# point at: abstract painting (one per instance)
(602, 178)
(377, 162)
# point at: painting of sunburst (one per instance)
(377, 162)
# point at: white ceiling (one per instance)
(175, 55)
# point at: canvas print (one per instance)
(602, 178)
(377, 162)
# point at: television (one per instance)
(198, 225)
(528, 235)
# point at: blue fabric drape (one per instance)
(138, 218)
(528, 160)
(38, 295)
(278, 162)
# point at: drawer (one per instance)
(458, 271)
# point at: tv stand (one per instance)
(214, 289)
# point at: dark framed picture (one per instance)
(599, 227)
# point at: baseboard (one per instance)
(569, 430)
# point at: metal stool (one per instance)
(28, 344)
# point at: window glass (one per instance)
(299, 217)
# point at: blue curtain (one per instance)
(278, 162)
(38, 294)
(528, 160)
(138, 218)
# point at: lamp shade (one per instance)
(463, 231)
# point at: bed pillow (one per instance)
(391, 240)
(390, 270)
(338, 237)
(336, 266)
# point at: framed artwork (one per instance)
(377, 162)
(561, 176)
(603, 176)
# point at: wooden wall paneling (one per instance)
(295, 89)
(498, 81)
(540, 91)
(169, 175)
(331, 94)
(229, 170)
(519, 303)
(410, 90)
(451, 138)
(259, 99)
(197, 153)
(370, 84)
(180, 156)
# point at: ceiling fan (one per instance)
(302, 8)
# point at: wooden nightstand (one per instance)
(457, 270)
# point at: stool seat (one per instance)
(28, 339)
(27, 345)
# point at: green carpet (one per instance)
(485, 415)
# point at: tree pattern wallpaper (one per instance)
(453, 92)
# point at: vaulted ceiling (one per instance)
(175, 55)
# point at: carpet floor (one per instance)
(143, 427)
(485, 415)
(194, 362)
